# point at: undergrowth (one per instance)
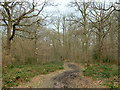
(103, 71)
(14, 74)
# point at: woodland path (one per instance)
(70, 77)
(61, 80)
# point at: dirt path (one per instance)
(74, 79)
(60, 81)
(70, 77)
(43, 81)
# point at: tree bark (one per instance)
(8, 37)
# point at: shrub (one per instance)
(95, 55)
(108, 59)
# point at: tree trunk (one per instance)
(36, 52)
(100, 48)
(8, 39)
(119, 38)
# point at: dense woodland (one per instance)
(38, 41)
(30, 36)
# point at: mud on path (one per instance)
(61, 80)
(74, 78)
(43, 81)
(70, 77)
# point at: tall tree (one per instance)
(13, 13)
(101, 24)
(82, 8)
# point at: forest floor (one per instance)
(70, 77)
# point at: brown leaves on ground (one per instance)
(42, 81)
(45, 81)
(84, 82)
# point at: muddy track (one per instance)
(70, 77)
(61, 81)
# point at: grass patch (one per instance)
(14, 74)
(103, 71)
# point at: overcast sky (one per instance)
(61, 8)
(66, 10)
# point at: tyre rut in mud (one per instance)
(61, 81)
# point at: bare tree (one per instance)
(101, 23)
(82, 8)
(13, 13)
